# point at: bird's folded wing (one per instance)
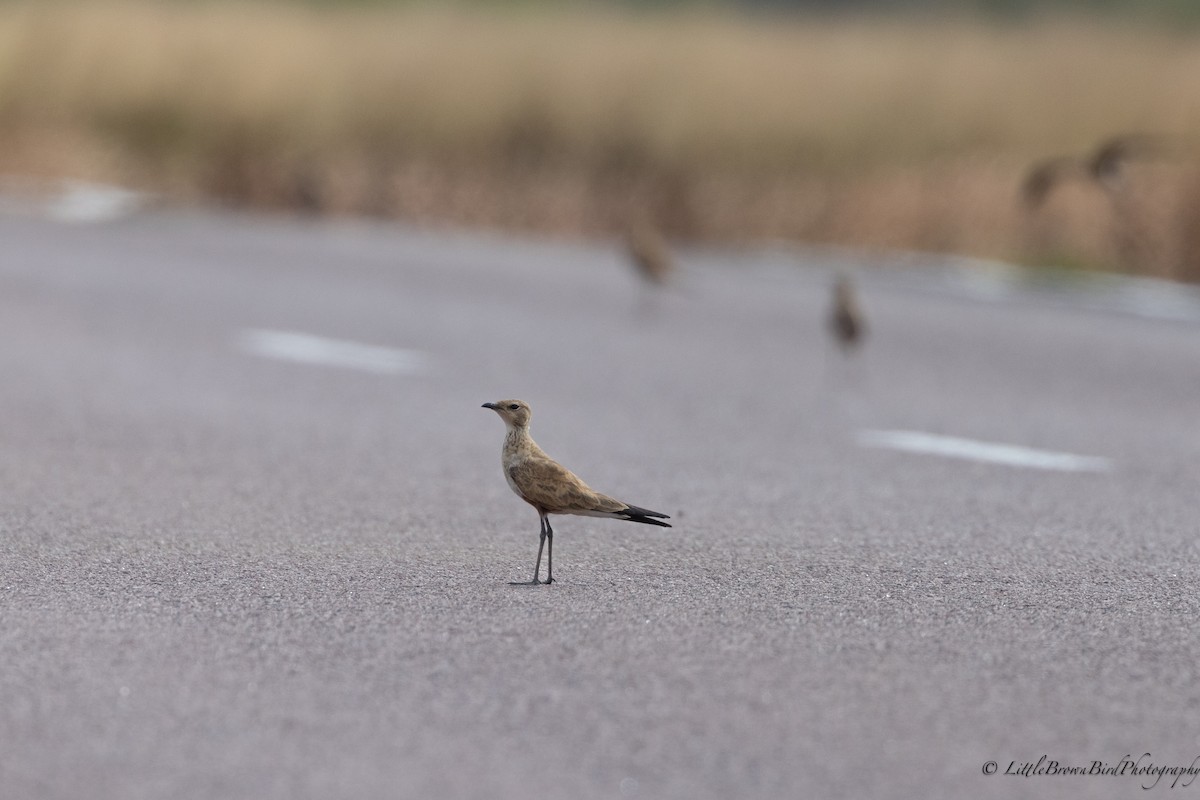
(550, 486)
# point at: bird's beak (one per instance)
(492, 406)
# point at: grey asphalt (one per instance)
(226, 576)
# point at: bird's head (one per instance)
(515, 413)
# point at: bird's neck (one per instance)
(518, 444)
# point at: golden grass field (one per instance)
(878, 132)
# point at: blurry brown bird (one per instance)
(846, 320)
(550, 487)
(649, 253)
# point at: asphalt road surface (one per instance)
(255, 541)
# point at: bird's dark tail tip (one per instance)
(646, 516)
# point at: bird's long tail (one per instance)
(635, 514)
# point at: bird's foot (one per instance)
(548, 580)
(534, 582)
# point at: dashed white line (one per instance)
(988, 452)
(305, 348)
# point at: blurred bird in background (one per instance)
(846, 321)
(649, 253)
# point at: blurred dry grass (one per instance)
(879, 132)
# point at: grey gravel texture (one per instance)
(223, 576)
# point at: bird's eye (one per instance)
(513, 406)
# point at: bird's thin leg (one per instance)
(537, 567)
(549, 551)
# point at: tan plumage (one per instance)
(550, 487)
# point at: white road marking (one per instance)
(93, 202)
(68, 200)
(305, 348)
(989, 452)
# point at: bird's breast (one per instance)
(508, 476)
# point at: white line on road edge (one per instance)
(304, 348)
(1008, 454)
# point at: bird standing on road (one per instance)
(550, 487)
(846, 319)
(649, 253)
